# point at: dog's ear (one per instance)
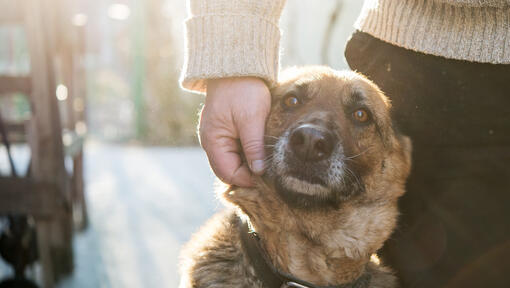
(260, 203)
(407, 147)
(240, 196)
(245, 199)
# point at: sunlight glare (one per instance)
(119, 11)
(61, 92)
(80, 19)
(81, 128)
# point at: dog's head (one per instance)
(336, 167)
(330, 139)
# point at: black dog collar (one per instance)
(271, 276)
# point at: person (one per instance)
(445, 65)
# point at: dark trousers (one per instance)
(454, 227)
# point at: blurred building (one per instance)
(134, 53)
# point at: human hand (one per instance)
(235, 110)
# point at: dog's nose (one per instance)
(311, 144)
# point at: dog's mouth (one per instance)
(308, 167)
(305, 178)
(305, 187)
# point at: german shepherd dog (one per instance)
(327, 201)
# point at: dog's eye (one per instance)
(361, 115)
(290, 101)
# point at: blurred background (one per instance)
(101, 178)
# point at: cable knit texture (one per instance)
(472, 30)
(231, 38)
(228, 38)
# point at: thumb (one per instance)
(251, 134)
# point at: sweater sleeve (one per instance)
(478, 3)
(227, 38)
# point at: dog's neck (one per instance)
(305, 259)
(321, 247)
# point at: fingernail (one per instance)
(257, 166)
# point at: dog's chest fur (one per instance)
(215, 258)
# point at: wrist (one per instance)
(236, 79)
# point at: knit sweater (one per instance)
(227, 38)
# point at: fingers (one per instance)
(225, 160)
(235, 109)
(252, 141)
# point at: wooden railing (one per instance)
(50, 192)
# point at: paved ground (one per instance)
(144, 203)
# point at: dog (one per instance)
(327, 201)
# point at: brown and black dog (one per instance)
(328, 200)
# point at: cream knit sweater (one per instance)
(241, 37)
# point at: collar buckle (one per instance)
(291, 284)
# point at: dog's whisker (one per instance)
(268, 159)
(354, 176)
(270, 136)
(359, 154)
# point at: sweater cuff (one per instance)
(220, 46)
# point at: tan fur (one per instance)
(328, 246)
